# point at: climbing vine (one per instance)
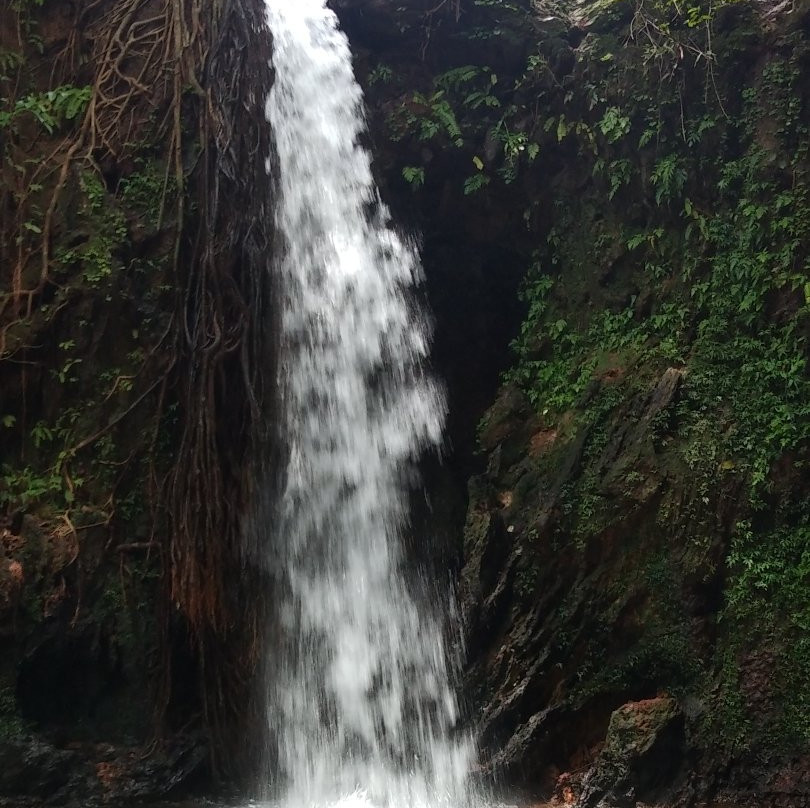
(129, 311)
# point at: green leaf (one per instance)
(479, 163)
(415, 175)
(475, 183)
(636, 241)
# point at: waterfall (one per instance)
(360, 703)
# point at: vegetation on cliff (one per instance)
(642, 525)
(133, 251)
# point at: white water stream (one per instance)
(361, 703)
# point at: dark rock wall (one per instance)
(636, 532)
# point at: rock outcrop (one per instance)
(635, 522)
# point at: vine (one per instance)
(119, 162)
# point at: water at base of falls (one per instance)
(360, 702)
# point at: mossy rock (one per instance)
(641, 754)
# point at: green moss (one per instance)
(661, 660)
(709, 275)
(11, 724)
(768, 597)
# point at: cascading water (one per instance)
(361, 704)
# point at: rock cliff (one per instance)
(634, 559)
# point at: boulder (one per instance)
(32, 767)
(642, 754)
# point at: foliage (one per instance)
(475, 183)
(730, 266)
(50, 109)
(143, 192)
(768, 595)
(26, 487)
(771, 571)
(688, 249)
(430, 116)
(614, 124)
(382, 74)
(469, 104)
(668, 176)
(414, 175)
(465, 105)
(107, 232)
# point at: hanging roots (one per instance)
(195, 75)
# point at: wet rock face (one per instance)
(473, 262)
(34, 768)
(380, 25)
(75, 710)
(68, 662)
(576, 618)
(595, 559)
(643, 750)
(473, 250)
(93, 649)
(30, 767)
